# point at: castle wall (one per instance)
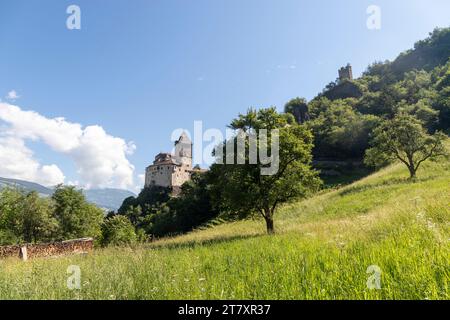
(160, 175)
(181, 175)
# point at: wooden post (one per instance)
(23, 253)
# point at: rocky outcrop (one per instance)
(343, 90)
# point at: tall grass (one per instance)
(322, 250)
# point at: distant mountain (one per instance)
(25, 185)
(110, 199)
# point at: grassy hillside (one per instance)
(322, 250)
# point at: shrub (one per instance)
(118, 230)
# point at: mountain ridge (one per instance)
(107, 198)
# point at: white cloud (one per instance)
(12, 95)
(100, 159)
(51, 175)
(16, 161)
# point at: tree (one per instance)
(148, 199)
(298, 107)
(142, 211)
(442, 102)
(25, 217)
(339, 131)
(423, 112)
(127, 204)
(241, 189)
(134, 214)
(404, 139)
(76, 217)
(37, 221)
(118, 230)
(11, 201)
(193, 206)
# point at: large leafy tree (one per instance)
(25, 217)
(76, 217)
(37, 221)
(11, 201)
(404, 139)
(241, 189)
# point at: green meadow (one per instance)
(322, 250)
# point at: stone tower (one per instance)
(183, 150)
(346, 73)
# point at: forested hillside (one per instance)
(417, 82)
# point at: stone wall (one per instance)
(28, 251)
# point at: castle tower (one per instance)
(346, 73)
(183, 150)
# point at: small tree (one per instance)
(76, 217)
(38, 224)
(25, 217)
(192, 207)
(118, 230)
(241, 189)
(11, 202)
(404, 139)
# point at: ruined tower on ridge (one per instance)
(346, 73)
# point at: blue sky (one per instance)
(140, 69)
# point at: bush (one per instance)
(118, 230)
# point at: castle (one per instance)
(346, 73)
(171, 170)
